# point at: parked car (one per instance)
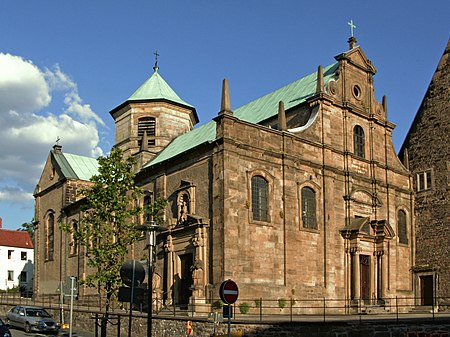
(4, 331)
(31, 319)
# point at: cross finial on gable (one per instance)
(352, 26)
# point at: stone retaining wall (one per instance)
(176, 327)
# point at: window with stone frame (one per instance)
(358, 142)
(10, 275)
(260, 198)
(309, 219)
(10, 254)
(23, 256)
(147, 125)
(73, 244)
(402, 230)
(49, 236)
(423, 181)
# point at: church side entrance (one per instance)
(426, 290)
(186, 282)
(365, 278)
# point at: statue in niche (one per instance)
(183, 208)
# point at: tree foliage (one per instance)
(107, 227)
(28, 227)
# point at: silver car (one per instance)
(31, 319)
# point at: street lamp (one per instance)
(150, 228)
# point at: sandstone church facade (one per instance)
(296, 194)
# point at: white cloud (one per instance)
(15, 195)
(28, 132)
(59, 81)
(22, 86)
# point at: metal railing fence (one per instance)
(256, 309)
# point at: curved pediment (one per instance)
(364, 197)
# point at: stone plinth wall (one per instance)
(308, 327)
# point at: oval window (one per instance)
(357, 91)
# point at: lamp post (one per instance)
(150, 228)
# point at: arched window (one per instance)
(147, 124)
(260, 198)
(358, 142)
(309, 208)
(73, 244)
(49, 237)
(401, 227)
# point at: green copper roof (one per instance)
(189, 140)
(253, 112)
(156, 88)
(77, 167)
(292, 94)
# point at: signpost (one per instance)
(229, 293)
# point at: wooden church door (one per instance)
(365, 278)
(185, 291)
(426, 289)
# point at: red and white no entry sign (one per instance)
(229, 292)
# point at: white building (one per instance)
(16, 259)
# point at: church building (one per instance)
(297, 194)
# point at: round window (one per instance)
(357, 91)
(332, 87)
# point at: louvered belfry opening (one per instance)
(147, 124)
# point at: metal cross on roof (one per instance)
(57, 140)
(352, 26)
(156, 58)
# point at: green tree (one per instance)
(107, 228)
(28, 227)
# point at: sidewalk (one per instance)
(75, 333)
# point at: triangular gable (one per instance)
(357, 57)
(51, 173)
(65, 166)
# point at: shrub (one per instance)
(281, 303)
(218, 304)
(244, 307)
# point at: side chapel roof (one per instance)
(75, 166)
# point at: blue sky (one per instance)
(65, 64)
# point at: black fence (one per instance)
(259, 309)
